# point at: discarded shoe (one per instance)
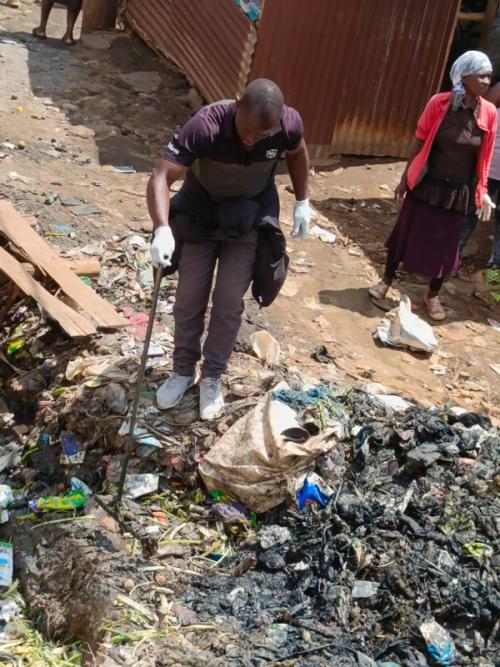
(173, 389)
(211, 399)
(379, 291)
(435, 308)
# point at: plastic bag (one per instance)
(313, 489)
(402, 328)
(439, 643)
(254, 462)
(6, 497)
(119, 369)
(266, 347)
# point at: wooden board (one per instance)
(74, 324)
(15, 228)
(84, 267)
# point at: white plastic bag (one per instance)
(322, 234)
(402, 328)
(266, 347)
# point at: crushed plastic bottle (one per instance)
(6, 564)
(439, 643)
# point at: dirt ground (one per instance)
(79, 116)
(70, 120)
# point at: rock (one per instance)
(272, 561)
(69, 201)
(160, 578)
(142, 82)
(70, 108)
(116, 398)
(108, 524)
(184, 615)
(128, 585)
(80, 131)
(269, 536)
(96, 41)
(425, 454)
(174, 551)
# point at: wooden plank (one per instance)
(471, 16)
(15, 228)
(488, 23)
(74, 324)
(84, 267)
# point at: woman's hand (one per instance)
(484, 213)
(400, 191)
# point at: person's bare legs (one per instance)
(45, 9)
(74, 7)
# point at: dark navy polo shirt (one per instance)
(209, 145)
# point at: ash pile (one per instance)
(391, 559)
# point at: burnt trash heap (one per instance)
(398, 568)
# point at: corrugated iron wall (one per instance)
(212, 41)
(359, 71)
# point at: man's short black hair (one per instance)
(264, 98)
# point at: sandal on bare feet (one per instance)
(68, 42)
(36, 34)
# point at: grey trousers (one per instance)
(235, 264)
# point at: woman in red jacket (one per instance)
(447, 167)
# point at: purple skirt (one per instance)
(425, 238)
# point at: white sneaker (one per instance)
(172, 390)
(211, 400)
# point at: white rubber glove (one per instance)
(162, 247)
(301, 218)
(484, 213)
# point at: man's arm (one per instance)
(158, 191)
(298, 168)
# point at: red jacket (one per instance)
(428, 124)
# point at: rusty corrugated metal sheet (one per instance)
(359, 72)
(211, 41)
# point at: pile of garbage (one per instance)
(387, 557)
(311, 525)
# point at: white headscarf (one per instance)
(470, 62)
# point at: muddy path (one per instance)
(111, 103)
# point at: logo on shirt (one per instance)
(172, 148)
(271, 153)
